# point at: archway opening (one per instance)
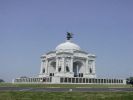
(53, 64)
(52, 68)
(76, 68)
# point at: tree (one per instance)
(1, 80)
(130, 80)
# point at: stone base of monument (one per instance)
(67, 80)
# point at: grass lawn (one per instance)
(66, 95)
(21, 95)
(63, 85)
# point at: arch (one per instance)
(53, 64)
(52, 67)
(76, 68)
(43, 70)
(90, 70)
(67, 69)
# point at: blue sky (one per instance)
(30, 28)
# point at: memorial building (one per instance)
(68, 64)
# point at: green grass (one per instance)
(63, 85)
(21, 95)
(66, 95)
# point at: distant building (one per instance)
(68, 64)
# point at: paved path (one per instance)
(67, 89)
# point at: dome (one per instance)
(68, 45)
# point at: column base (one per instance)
(88, 75)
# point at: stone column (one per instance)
(87, 65)
(93, 66)
(57, 64)
(71, 65)
(77, 70)
(41, 70)
(46, 66)
(63, 64)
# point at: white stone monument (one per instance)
(68, 60)
(68, 64)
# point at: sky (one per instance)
(30, 28)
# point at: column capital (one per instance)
(43, 60)
(72, 57)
